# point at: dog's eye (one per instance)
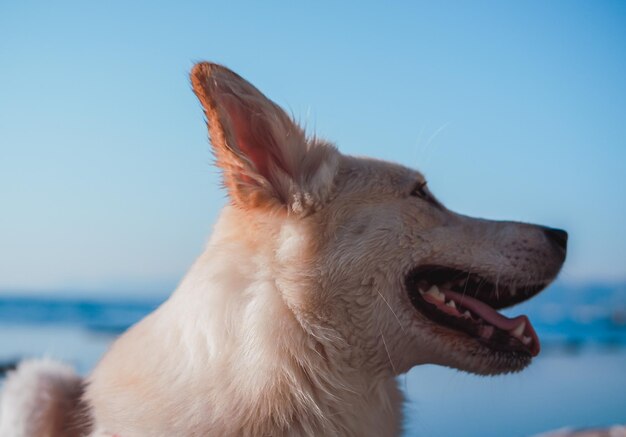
(420, 191)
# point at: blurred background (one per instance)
(513, 110)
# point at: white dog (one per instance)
(325, 278)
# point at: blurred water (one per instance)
(560, 388)
(567, 316)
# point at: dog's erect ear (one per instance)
(265, 156)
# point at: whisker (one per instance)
(391, 309)
(388, 354)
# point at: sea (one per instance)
(578, 380)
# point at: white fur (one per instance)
(35, 398)
(240, 348)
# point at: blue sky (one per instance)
(513, 110)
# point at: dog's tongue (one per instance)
(496, 319)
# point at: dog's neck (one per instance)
(243, 364)
(290, 377)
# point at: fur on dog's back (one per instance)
(41, 398)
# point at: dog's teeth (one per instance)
(436, 294)
(451, 304)
(526, 340)
(467, 314)
(519, 331)
(421, 291)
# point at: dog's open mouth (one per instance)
(467, 302)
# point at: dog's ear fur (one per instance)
(265, 156)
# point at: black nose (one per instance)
(557, 236)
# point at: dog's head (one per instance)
(364, 254)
